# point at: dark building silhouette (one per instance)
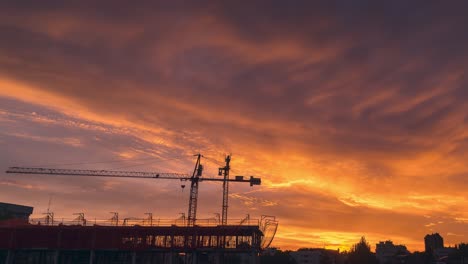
(79, 243)
(14, 211)
(433, 242)
(316, 256)
(387, 252)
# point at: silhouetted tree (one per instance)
(360, 253)
(463, 250)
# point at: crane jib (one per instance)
(124, 174)
(98, 173)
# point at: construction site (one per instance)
(132, 240)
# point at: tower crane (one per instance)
(194, 179)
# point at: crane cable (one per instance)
(110, 161)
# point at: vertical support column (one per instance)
(11, 254)
(254, 257)
(10, 257)
(171, 256)
(194, 257)
(217, 257)
(91, 256)
(58, 245)
(93, 245)
(133, 257)
(56, 256)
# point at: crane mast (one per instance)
(197, 173)
(225, 173)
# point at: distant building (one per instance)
(433, 242)
(316, 255)
(443, 253)
(271, 251)
(387, 252)
(311, 256)
(14, 211)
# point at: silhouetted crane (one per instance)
(194, 179)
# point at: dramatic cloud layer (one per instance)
(355, 115)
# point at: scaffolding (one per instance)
(63, 244)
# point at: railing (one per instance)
(139, 222)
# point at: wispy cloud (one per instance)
(75, 142)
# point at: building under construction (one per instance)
(132, 240)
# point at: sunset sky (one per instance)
(353, 113)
